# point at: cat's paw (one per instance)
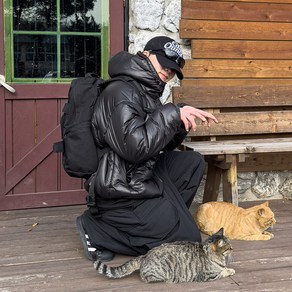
(231, 272)
(262, 236)
(227, 272)
(271, 235)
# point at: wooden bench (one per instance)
(254, 132)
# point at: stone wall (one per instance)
(148, 19)
(161, 17)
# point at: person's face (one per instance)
(165, 74)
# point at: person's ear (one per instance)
(146, 53)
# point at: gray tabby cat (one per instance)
(180, 261)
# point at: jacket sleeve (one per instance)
(177, 139)
(133, 132)
(179, 136)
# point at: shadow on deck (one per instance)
(48, 257)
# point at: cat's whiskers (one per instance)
(229, 258)
(234, 281)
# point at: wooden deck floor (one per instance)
(49, 257)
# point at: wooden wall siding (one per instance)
(235, 30)
(238, 42)
(238, 68)
(259, 1)
(243, 123)
(237, 10)
(241, 95)
(241, 49)
(251, 109)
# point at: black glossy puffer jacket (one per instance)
(132, 123)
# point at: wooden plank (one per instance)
(117, 31)
(246, 146)
(3, 129)
(41, 212)
(23, 141)
(43, 199)
(235, 82)
(266, 162)
(243, 30)
(234, 10)
(229, 180)
(241, 49)
(244, 123)
(260, 1)
(46, 118)
(257, 142)
(41, 91)
(225, 96)
(221, 68)
(212, 184)
(22, 122)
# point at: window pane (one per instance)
(55, 39)
(34, 55)
(81, 15)
(34, 15)
(80, 55)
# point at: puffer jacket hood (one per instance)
(139, 68)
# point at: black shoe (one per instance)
(89, 251)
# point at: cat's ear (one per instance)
(220, 231)
(261, 211)
(266, 203)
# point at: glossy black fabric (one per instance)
(130, 120)
(142, 188)
(147, 223)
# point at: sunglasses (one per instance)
(173, 56)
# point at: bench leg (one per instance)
(212, 184)
(230, 192)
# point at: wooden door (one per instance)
(31, 175)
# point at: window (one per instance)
(53, 40)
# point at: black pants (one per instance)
(148, 223)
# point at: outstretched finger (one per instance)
(186, 123)
(211, 117)
(199, 116)
(193, 123)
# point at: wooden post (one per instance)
(212, 184)
(230, 192)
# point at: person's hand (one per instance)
(188, 115)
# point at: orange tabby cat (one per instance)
(238, 223)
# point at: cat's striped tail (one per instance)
(121, 271)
